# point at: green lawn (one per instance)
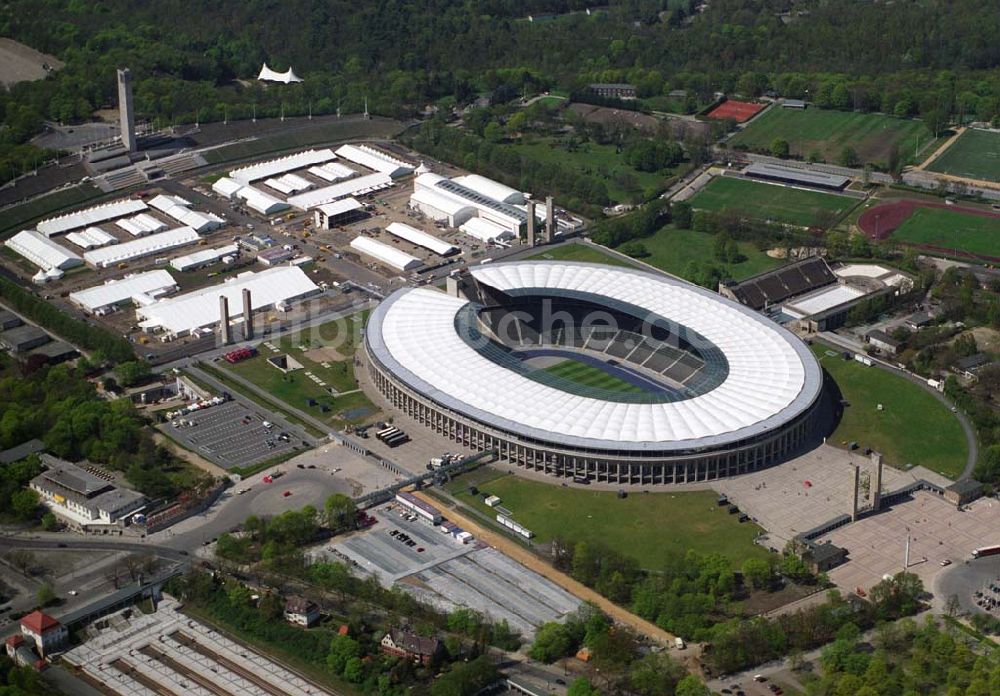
(601, 161)
(651, 527)
(913, 427)
(951, 229)
(591, 376)
(828, 132)
(20, 216)
(975, 154)
(589, 253)
(772, 202)
(672, 250)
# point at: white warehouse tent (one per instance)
(351, 187)
(420, 238)
(42, 251)
(268, 75)
(333, 171)
(101, 299)
(181, 315)
(144, 246)
(276, 167)
(486, 231)
(441, 207)
(491, 189)
(180, 210)
(375, 159)
(385, 254)
(263, 203)
(91, 238)
(203, 257)
(90, 216)
(288, 183)
(226, 187)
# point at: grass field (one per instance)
(828, 132)
(913, 427)
(951, 230)
(791, 206)
(672, 250)
(593, 159)
(976, 154)
(650, 527)
(18, 217)
(590, 376)
(324, 351)
(588, 253)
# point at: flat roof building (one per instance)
(81, 498)
(180, 210)
(332, 171)
(795, 175)
(275, 167)
(90, 216)
(420, 238)
(141, 288)
(91, 238)
(181, 315)
(491, 189)
(387, 255)
(42, 251)
(340, 212)
(612, 90)
(486, 231)
(138, 248)
(375, 159)
(203, 257)
(21, 339)
(352, 187)
(440, 207)
(8, 320)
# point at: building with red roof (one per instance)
(47, 634)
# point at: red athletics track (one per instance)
(882, 220)
(736, 110)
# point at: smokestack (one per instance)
(247, 315)
(531, 223)
(877, 495)
(125, 115)
(854, 500)
(225, 332)
(550, 220)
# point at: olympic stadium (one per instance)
(681, 385)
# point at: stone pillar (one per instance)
(550, 220)
(855, 490)
(451, 286)
(877, 492)
(225, 332)
(531, 223)
(125, 114)
(247, 315)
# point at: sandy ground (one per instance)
(189, 456)
(944, 146)
(20, 63)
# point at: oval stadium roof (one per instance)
(772, 376)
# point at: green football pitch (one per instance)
(976, 154)
(762, 201)
(591, 376)
(951, 229)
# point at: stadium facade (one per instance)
(711, 388)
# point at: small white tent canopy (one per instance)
(268, 75)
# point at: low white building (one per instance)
(281, 165)
(301, 611)
(441, 208)
(491, 189)
(90, 216)
(344, 189)
(332, 171)
(81, 499)
(42, 251)
(340, 212)
(486, 231)
(138, 248)
(91, 238)
(141, 288)
(386, 255)
(202, 258)
(420, 238)
(180, 210)
(199, 310)
(375, 159)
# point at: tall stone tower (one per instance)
(125, 109)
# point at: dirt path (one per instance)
(937, 153)
(509, 547)
(189, 456)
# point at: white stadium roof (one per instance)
(42, 251)
(144, 246)
(91, 238)
(490, 189)
(484, 230)
(822, 300)
(352, 187)
(202, 257)
(420, 238)
(90, 216)
(772, 377)
(388, 255)
(332, 171)
(275, 167)
(268, 75)
(375, 159)
(183, 314)
(116, 292)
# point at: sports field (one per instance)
(673, 250)
(591, 376)
(976, 154)
(650, 527)
(828, 132)
(949, 229)
(791, 206)
(913, 427)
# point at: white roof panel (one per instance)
(265, 170)
(821, 300)
(484, 230)
(352, 187)
(117, 291)
(490, 189)
(185, 313)
(199, 258)
(144, 246)
(420, 238)
(226, 187)
(772, 377)
(333, 171)
(440, 200)
(375, 159)
(390, 256)
(263, 203)
(344, 205)
(91, 238)
(90, 216)
(42, 251)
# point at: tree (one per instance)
(895, 160)
(354, 670)
(22, 559)
(49, 522)
(582, 687)
(691, 686)
(681, 213)
(24, 503)
(552, 641)
(779, 148)
(493, 133)
(342, 649)
(757, 572)
(848, 157)
(635, 249)
(131, 373)
(45, 595)
(340, 512)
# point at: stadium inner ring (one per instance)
(712, 389)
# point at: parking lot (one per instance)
(231, 434)
(441, 570)
(167, 653)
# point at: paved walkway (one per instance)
(938, 152)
